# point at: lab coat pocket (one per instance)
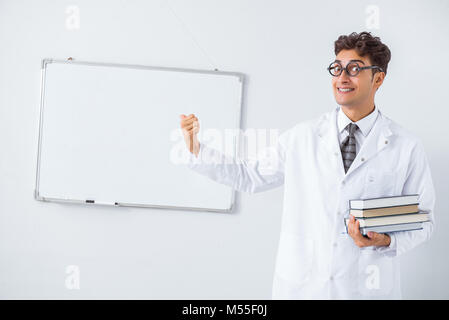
(375, 273)
(380, 183)
(295, 257)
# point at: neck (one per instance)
(355, 113)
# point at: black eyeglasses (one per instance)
(352, 69)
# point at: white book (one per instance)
(392, 228)
(384, 202)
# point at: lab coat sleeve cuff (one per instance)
(192, 159)
(206, 155)
(389, 250)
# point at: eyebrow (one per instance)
(354, 60)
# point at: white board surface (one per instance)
(108, 134)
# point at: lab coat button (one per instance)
(331, 278)
(335, 244)
(363, 159)
(386, 141)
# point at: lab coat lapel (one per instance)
(376, 141)
(327, 135)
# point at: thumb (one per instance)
(372, 235)
(182, 116)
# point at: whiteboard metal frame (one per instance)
(47, 61)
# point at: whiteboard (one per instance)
(108, 134)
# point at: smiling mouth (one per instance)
(345, 90)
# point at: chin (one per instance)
(345, 102)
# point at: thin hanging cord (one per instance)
(191, 35)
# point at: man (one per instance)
(352, 152)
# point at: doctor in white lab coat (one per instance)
(316, 258)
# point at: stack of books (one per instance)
(388, 214)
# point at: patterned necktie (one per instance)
(348, 146)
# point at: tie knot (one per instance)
(352, 127)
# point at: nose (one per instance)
(343, 77)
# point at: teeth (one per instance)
(345, 90)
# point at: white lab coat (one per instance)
(315, 258)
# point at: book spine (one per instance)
(388, 215)
(364, 231)
(399, 205)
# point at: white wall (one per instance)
(284, 48)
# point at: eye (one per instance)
(353, 68)
(335, 68)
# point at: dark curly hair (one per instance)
(365, 45)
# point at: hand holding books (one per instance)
(377, 216)
(372, 238)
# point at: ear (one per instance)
(378, 79)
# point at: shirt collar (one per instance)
(365, 124)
